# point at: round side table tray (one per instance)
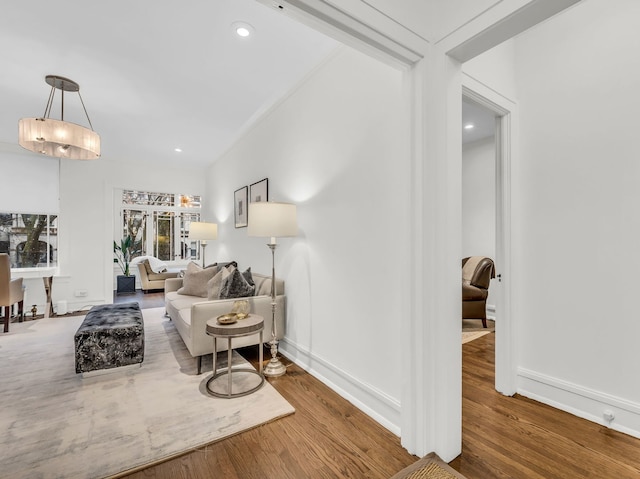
(252, 324)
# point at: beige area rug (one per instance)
(55, 424)
(429, 467)
(472, 329)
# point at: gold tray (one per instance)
(228, 318)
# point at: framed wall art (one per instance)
(259, 191)
(240, 206)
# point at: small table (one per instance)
(252, 324)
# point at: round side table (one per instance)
(252, 324)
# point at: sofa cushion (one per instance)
(238, 285)
(195, 280)
(215, 283)
(161, 276)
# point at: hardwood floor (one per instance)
(146, 300)
(327, 437)
(515, 437)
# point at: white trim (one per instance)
(506, 141)
(580, 401)
(491, 311)
(503, 21)
(373, 402)
(358, 25)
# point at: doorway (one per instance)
(503, 112)
(479, 211)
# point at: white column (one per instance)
(431, 401)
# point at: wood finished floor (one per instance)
(327, 437)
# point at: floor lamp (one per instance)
(272, 220)
(200, 231)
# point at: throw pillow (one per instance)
(195, 280)
(236, 285)
(215, 283)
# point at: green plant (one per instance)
(123, 253)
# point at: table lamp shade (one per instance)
(271, 219)
(200, 231)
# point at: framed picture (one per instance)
(259, 191)
(240, 206)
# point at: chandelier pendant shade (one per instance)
(59, 138)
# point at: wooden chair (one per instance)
(11, 291)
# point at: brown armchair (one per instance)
(11, 291)
(477, 272)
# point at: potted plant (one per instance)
(126, 282)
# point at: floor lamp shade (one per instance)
(200, 231)
(271, 219)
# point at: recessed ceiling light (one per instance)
(469, 126)
(242, 29)
(178, 150)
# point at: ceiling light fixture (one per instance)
(178, 150)
(242, 29)
(469, 126)
(59, 138)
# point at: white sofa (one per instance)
(191, 313)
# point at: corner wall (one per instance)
(336, 146)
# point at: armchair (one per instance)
(11, 291)
(150, 280)
(477, 272)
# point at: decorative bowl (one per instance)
(228, 318)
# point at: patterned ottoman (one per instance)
(110, 336)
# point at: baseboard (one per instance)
(581, 401)
(373, 402)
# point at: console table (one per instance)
(47, 274)
(252, 324)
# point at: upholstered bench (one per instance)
(111, 335)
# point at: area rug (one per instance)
(468, 336)
(472, 329)
(57, 424)
(429, 467)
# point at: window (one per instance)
(30, 239)
(159, 223)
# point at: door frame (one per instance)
(506, 144)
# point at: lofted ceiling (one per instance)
(154, 76)
(159, 76)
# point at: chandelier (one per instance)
(59, 138)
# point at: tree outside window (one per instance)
(29, 239)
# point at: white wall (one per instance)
(87, 219)
(337, 148)
(495, 68)
(29, 181)
(575, 216)
(479, 202)
(479, 198)
(85, 222)
(579, 221)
